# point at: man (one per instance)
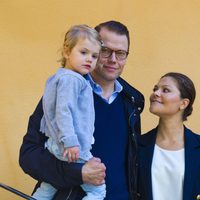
(117, 123)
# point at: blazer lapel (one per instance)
(192, 150)
(146, 153)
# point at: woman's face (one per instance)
(165, 101)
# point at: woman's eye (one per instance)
(165, 90)
(154, 89)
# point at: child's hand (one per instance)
(72, 154)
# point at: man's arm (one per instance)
(40, 164)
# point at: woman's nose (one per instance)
(156, 92)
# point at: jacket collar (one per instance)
(134, 96)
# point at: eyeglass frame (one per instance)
(116, 51)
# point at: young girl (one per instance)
(68, 107)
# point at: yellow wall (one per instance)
(165, 36)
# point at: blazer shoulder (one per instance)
(148, 138)
(191, 134)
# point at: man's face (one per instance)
(110, 68)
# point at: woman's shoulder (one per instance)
(191, 133)
(148, 137)
(149, 133)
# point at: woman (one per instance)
(169, 155)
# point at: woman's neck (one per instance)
(170, 134)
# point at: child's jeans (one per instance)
(47, 191)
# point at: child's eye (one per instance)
(95, 56)
(83, 52)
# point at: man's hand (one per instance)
(93, 172)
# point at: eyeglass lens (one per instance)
(107, 52)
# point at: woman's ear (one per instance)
(185, 102)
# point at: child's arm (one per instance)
(68, 90)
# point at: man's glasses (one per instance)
(119, 54)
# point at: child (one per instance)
(68, 107)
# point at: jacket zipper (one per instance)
(70, 192)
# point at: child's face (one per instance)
(83, 57)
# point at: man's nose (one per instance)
(113, 57)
